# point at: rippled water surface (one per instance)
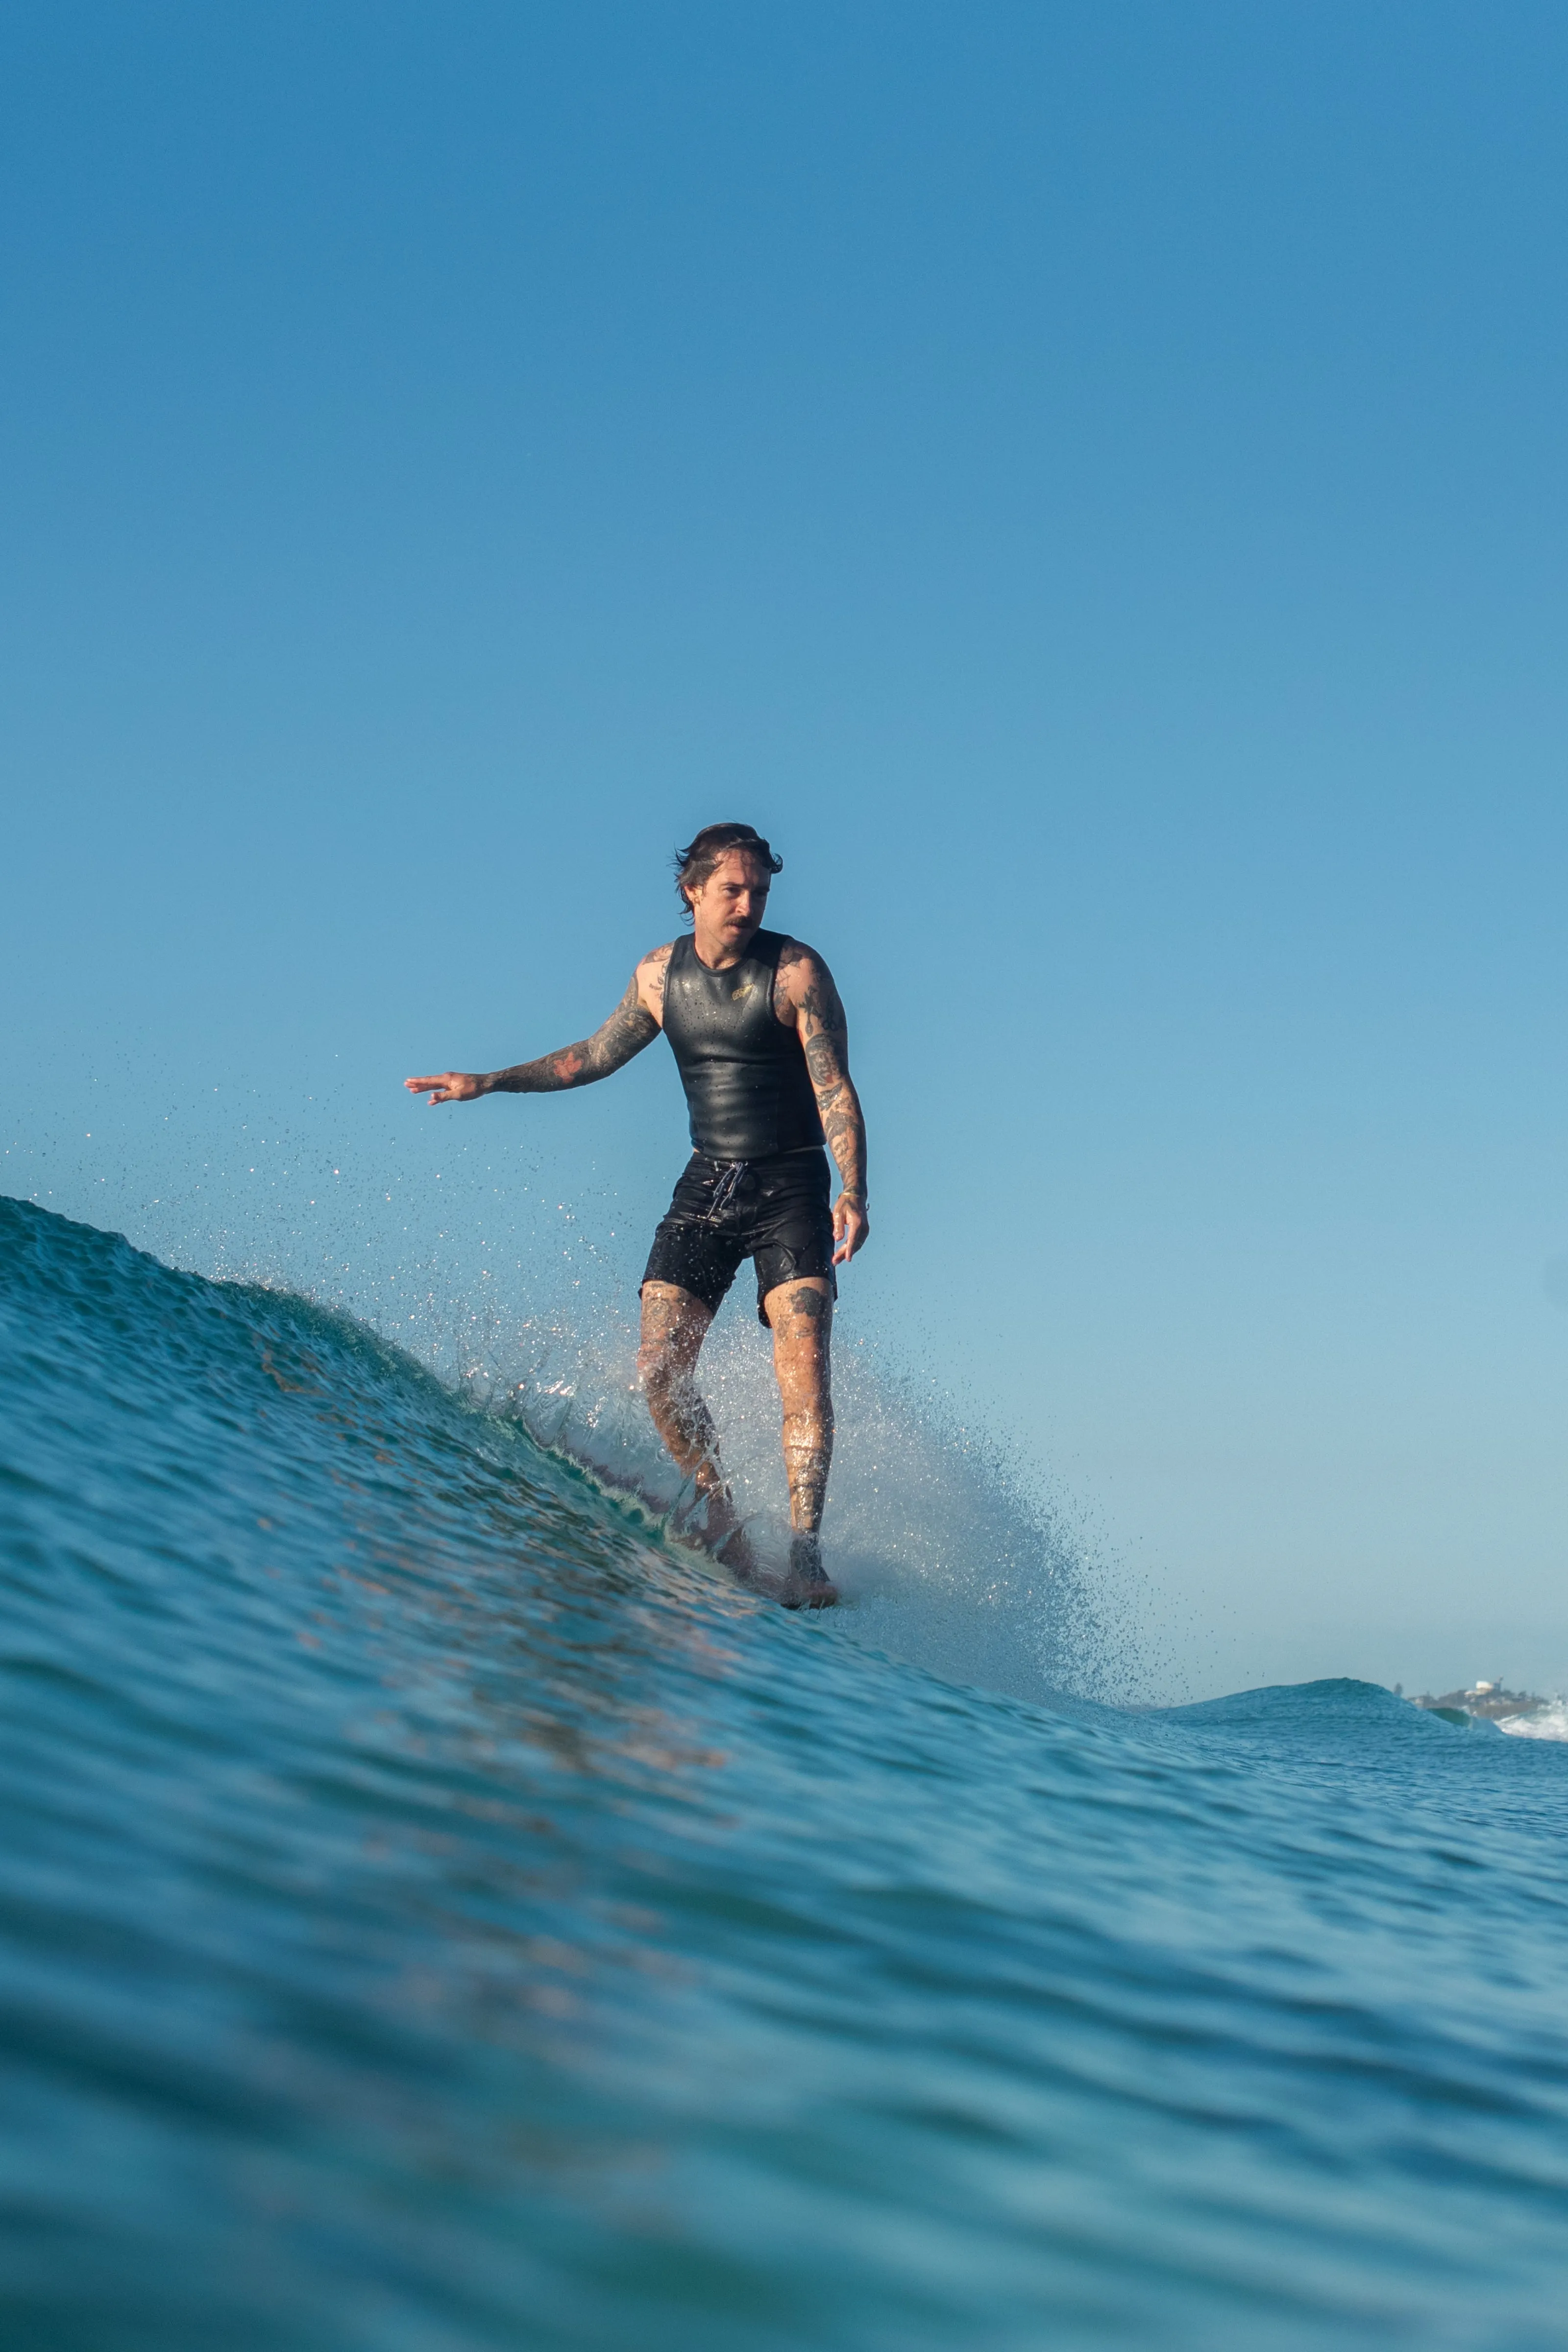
(436, 1914)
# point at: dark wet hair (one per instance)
(696, 862)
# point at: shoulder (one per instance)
(802, 963)
(650, 975)
(804, 983)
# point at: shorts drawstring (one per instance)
(724, 1192)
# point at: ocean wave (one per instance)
(438, 1911)
(1548, 1723)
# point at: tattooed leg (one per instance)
(800, 1317)
(674, 1326)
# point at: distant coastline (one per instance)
(1490, 1701)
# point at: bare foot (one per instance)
(806, 1585)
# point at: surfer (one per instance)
(761, 1046)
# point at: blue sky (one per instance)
(1087, 480)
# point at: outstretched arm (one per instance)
(630, 1027)
(806, 986)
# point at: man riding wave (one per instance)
(761, 1046)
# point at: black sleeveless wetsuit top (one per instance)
(747, 1085)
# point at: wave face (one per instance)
(436, 1914)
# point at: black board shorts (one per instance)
(774, 1210)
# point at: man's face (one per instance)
(733, 901)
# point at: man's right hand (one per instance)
(452, 1085)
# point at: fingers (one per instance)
(850, 1227)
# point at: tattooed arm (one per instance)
(635, 1023)
(805, 999)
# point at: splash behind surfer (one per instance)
(761, 1046)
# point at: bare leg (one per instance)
(674, 1326)
(800, 1317)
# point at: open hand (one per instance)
(452, 1085)
(851, 1228)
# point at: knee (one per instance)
(661, 1369)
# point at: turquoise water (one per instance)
(436, 1914)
